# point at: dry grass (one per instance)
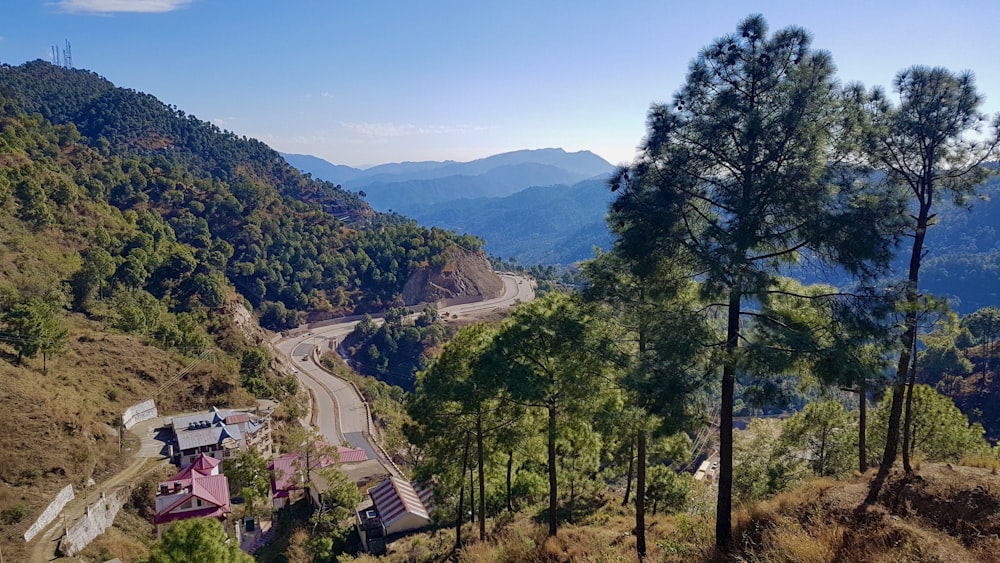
(119, 541)
(942, 514)
(60, 427)
(991, 462)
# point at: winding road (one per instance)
(341, 414)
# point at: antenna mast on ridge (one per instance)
(68, 56)
(63, 58)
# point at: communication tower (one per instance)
(64, 57)
(68, 56)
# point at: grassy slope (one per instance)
(60, 427)
(943, 514)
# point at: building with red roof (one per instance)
(400, 505)
(197, 491)
(394, 507)
(285, 468)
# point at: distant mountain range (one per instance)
(533, 206)
(409, 187)
(538, 225)
(542, 206)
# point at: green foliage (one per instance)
(930, 145)
(333, 519)
(554, 354)
(138, 312)
(247, 472)
(666, 490)
(198, 540)
(762, 464)
(825, 434)
(254, 364)
(738, 178)
(397, 349)
(939, 430)
(34, 328)
(984, 325)
(204, 208)
(14, 513)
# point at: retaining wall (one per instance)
(138, 413)
(100, 517)
(50, 512)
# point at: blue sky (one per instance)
(375, 81)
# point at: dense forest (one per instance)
(209, 206)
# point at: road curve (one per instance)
(341, 415)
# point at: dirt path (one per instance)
(145, 459)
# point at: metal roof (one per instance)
(211, 436)
(394, 498)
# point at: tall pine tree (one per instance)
(929, 145)
(736, 175)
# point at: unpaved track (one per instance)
(147, 458)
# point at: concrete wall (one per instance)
(100, 517)
(138, 413)
(50, 512)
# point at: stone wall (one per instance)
(138, 413)
(99, 517)
(50, 512)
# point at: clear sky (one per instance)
(371, 81)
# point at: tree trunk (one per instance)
(628, 474)
(724, 507)
(553, 501)
(908, 414)
(460, 513)
(862, 424)
(903, 368)
(510, 469)
(572, 490)
(640, 496)
(482, 477)
(472, 496)
(822, 452)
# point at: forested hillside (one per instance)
(133, 236)
(548, 225)
(229, 208)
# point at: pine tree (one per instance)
(928, 147)
(736, 174)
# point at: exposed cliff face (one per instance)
(466, 274)
(245, 322)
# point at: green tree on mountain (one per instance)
(553, 354)
(34, 328)
(925, 145)
(737, 177)
(198, 540)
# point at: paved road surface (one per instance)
(341, 414)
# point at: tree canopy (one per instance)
(198, 540)
(742, 177)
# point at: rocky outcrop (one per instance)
(245, 322)
(465, 274)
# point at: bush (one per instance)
(14, 514)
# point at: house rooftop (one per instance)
(203, 466)
(394, 498)
(212, 435)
